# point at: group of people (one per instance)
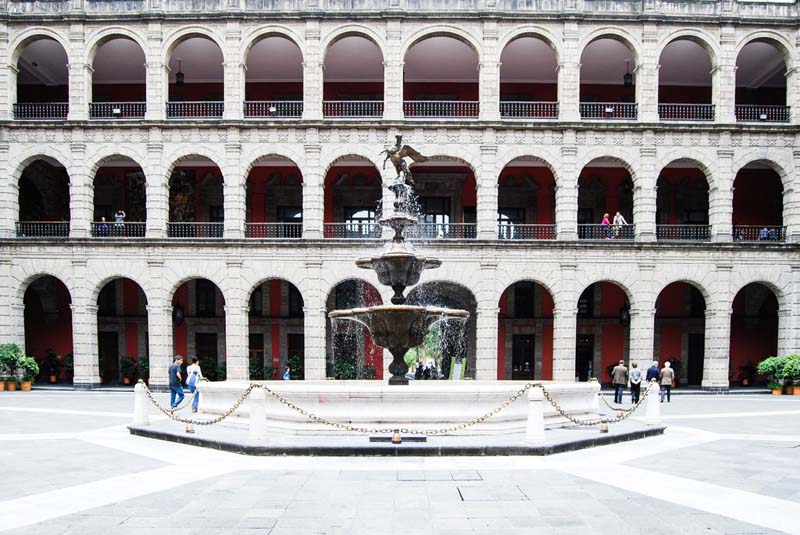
(612, 227)
(104, 229)
(176, 379)
(620, 378)
(427, 372)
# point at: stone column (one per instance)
(486, 324)
(159, 336)
(793, 92)
(314, 313)
(393, 72)
(237, 332)
(9, 195)
(156, 191)
(564, 338)
(567, 195)
(489, 74)
(723, 78)
(569, 74)
(81, 193)
(80, 76)
(312, 73)
(84, 330)
(716, 358)
(642, 336)
(789, 317)
(235, 196)
(487, 194)
(791, 204)
(720, 198)
(646, 75)
(8, 77)
(644, 196)
(233, 73)
(313, 194)
(157, 75)
(12, 324)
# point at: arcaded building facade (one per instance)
(197, 177)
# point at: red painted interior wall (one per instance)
(273, 91)
(671, 304)
(105, 175)
(180, 342)
(130, 307)
(612, 178)
(119, 92)
(42, 93)
(674, 176)
(257, 189)
(753, 339)
(545, 194)
(332, 177)
(528, 92)
(757, 198)
(199, 174)
(544, 312)
(670, 94)
(197, 92)
(607, 93)
(41, 335)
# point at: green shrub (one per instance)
(791, 369)
(10, 355)
(774, 385)
(143, 367)
(296, 367)
(771, 368)
(52, 362)
(127, 367)
(29, 368)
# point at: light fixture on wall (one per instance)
(177, 315)
(179, 75)
(627, 79)
(625, 313)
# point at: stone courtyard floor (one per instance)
(726, 464)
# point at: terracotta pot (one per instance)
(745, 382)
(777, 391)
(2, 385)
(11, 386)
(53, 379)
(126, 381)
(25, 386)
(796, 390)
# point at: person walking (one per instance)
(636, 382)
(175, 379)
(619, 378)
(653, 373)
(193, 376)
(606, 226)
(667, 376)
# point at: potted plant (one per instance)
(69, 366)
(772, 369)
(295, 364)
(791, 374)
(29, 370)
(747, 373)
(127, 368)
(143, 367)
(10, 355)
(52, 364)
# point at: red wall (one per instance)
(42, 93)
(529, 92)
(544, 312)
(273, 91)
(333, 175)
(200, 174)
(612, 178)
(257, 189)
(197, 92)
(440, 91)
(352, 91)
(757, 198)
(105, 175)
(41, 335)
(753, 339)
(607, 93)
(179, 333)
(545, 198)
(119, 92)
(674, 176)
(671, 94)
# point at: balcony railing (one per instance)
(443, 231)
(33, 111)
(526, 232)
(758, 233)
(117, 110)
(273, 108)
(606, 232)
(352, 231)
(764, 114)
(195, 110)
(683, 232)
(106, 229)
(42, 229)
(441, 108)
(195, 230)
(352, 108)
(529, 110)
(608, 110)
(686, 112)
(273, 230)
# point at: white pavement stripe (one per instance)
(760, 438)
(729, 415)
(749, 507)
(36, 436)
(37, 508)
(65, 411)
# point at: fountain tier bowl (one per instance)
(423, 405)
(398, 268)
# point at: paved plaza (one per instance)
(726, 464)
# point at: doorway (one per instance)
(694, 368)
(108, 353)
(523, 357)
(584, 357)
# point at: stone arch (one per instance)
(178, 275)
(115, 274)
(536, 280)
(343, 152)
(179, 35)
(627, 286)
(763, 156)
(288, 153)
(536, 32)
(41, 152)
(105, 35)
(691, 281)
(109, 154)
(618, 34)
(442, 30)
(692, 155)
(773, 283)
(252, 38)
(776, 39)
(619, 157)
(23, 283)
(548, 158)
(183, 154)
(352, 30)
(29, 35)
(252, 286)
(701, 37)
(438, 153)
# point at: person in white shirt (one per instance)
(193, 376)
(617, 223)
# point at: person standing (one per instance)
(667, 376)
(606, 226)
(636, 382)
(175, 379)
(653, 373)
(619, 378)
(618, 222)
(119, 223)
(287, 374)
(193, 376)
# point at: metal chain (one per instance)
(171, 413)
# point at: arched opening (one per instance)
(196, 203)
(352, 199)
(122, 345)
(353, 78)
(198, 326)
(48, 327)
(607, 88)
(273, 84)
(761, 83)
(351, 354)
(603, 331)
(42, 80)
(758, 204)
(276, 331)
(196, 79)
(447, 199)
(526, 201)
(43, 200)
(754, 330)
(605, 192)
(679, 335)
(440, 78)
(274, 199)
(684, 82)
(682, 203)
(529, 79)
(454, 341)
(525, 333)
(120, 207)
(119, 80)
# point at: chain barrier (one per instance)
(622, 415)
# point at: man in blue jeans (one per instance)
(175, 389)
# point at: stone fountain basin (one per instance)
(420, 405)
(398, 326)
(398, 268)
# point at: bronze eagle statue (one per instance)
(397, 155)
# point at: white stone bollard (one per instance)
(534, 431)
(140, 415)
(653, 404)
(258, 418)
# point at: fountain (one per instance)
(399, 327)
